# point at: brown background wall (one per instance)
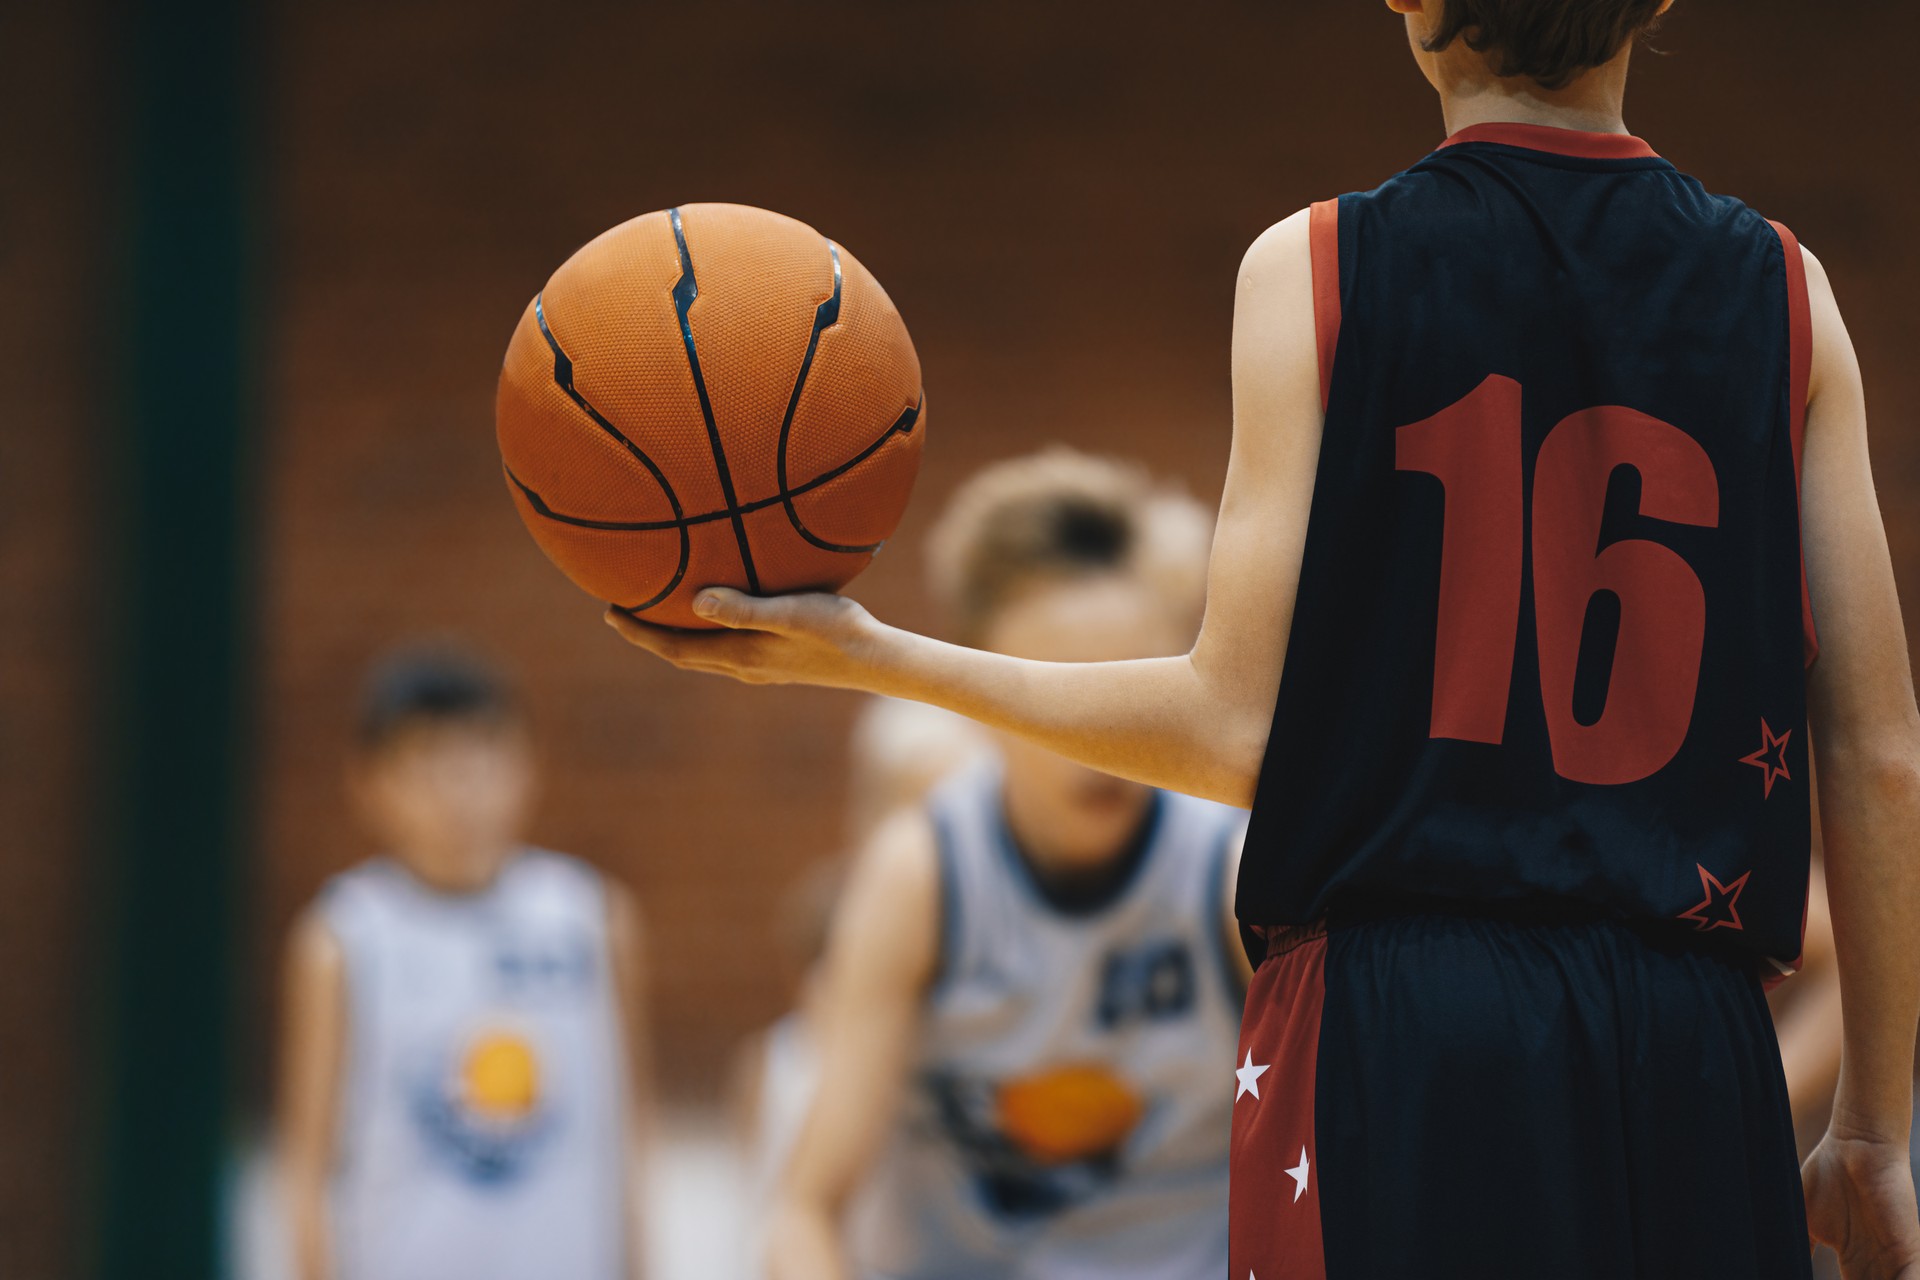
(1055, 195)
(51, 328)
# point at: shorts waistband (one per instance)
(1522, 912)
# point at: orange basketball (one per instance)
(711, 395)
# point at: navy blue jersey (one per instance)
(1551, 634)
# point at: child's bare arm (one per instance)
(1196, 723)
(882, 956)
(312, 1044)
(1867, 734)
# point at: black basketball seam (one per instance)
(563, 378)
(825, 316)
(685, 290)
(903, 425)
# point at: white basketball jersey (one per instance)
(483, 1121)
(1069, 1118)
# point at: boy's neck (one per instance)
(453, 882)
(1593, 103)
(1079, 889)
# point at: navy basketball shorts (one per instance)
(1424, 1095)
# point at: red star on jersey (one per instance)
(1720, 908)
(1771, 758)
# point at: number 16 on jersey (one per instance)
(1474, 448)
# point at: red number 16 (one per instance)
(1474, 449)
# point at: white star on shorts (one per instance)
(1247, 1078)
(1299, 1175)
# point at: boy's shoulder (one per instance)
(537, 867)
(1446, 196)
(369, 878)
(383, 879)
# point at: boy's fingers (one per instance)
(689, 650)
(800, 614)
(733, 609)
(656, 640)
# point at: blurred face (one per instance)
(1063, 813)
(450, 801)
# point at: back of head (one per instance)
(1061, 516)
(1550, 41)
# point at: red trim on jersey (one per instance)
(1560, 142)
(1273, 1195)
(1323, 231)
(1800, 336)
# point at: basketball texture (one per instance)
(713, 395)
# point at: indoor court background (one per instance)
(261, 263)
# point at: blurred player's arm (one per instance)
(1867, 733)
(312, 1051)
(626, 951)
(1196, 723)
(880, 960)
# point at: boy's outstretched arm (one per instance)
(1196, 723)
(1866, 731)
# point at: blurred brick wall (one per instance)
(54, 330)
(1056, 196)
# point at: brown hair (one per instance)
(1551, 41)
(439, 684)
(1062, 515)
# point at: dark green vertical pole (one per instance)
(180, 608)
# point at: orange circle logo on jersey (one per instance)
(500, 1077)
(1068, 1113)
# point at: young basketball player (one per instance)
(1031, 981)
(463, 1044)
(1530, 446)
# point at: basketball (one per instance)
(711, 395)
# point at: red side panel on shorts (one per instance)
(1275, 1197)
(1800, 330)
(1323, 233)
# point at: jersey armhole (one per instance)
(1800, 375)
(1323, 235)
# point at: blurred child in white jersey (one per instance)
(462, 1081)
(1027, 1013)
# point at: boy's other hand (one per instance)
(808, 638)
(1860, 1203)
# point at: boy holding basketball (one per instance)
(1035, 975)
(1509, 645)
(461, 1063)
